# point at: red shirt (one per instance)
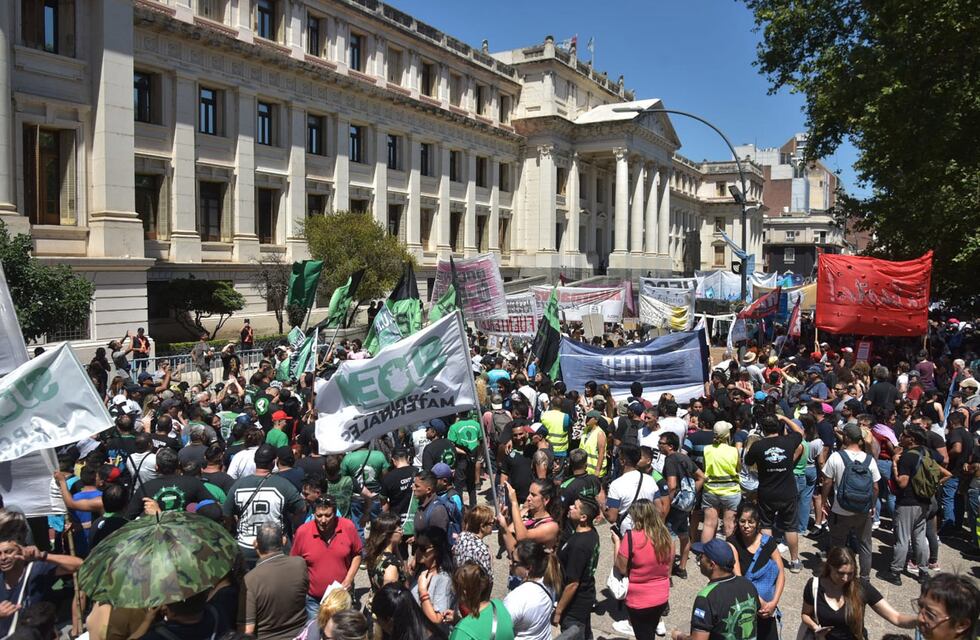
(327, 560)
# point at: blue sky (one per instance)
(695, 55)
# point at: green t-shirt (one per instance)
(370, 477)
(466, 434)
(470, 628)
(800, 468)
(276, 438)
(342, 490)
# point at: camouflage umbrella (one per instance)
(157, 560)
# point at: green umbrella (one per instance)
(157, 560)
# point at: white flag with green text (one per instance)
(424, 376)
(48, 402)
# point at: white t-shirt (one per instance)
(676, 425)
(242, 463)
(530, 607)
(834, 469)
(622, 490)
(419, 442)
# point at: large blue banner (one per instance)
(676, 363)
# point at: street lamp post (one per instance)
(739, 198)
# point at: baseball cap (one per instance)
(275, 384)
(636, 408)
(722, 429)
(265, 454)
(540, 430)
(826, 408)
(442, 470)
(496, 401)
(119, 399)
(718, 551)
(760, 396)
(143, 377)
(280, 415)
(439, 426)
(815, 368)
(244, 419)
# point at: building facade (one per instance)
(246, 117)
(799, 196)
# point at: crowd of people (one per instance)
(785, 442)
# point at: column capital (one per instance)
(546, 150)
(575, 157)
(620, 153)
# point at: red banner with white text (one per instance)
(873, 297)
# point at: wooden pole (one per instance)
(76, 614)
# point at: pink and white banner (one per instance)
(576, 302)
(522, 318)
(481, 286)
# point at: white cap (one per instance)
(119, 399)
(722, 429)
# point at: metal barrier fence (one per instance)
(181, 365)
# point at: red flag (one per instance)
(764, 306)
(873, 297)
(794, 320)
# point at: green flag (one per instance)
(303, 281)
(404, 303)
(449, 301)
(306, 357)
(548, 338)
(341, 299)
(383, 332)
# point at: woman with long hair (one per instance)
(805, 473)
(433, 588)
(645, 555)
(606, 392)
(400, 617)
(532, 602)
(758, 559)
(834, 601)
(542, 522)
(115, 388)
(482, 617)
(382, 553)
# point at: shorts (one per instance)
(783, 516)
(720, 503)
(679, 522)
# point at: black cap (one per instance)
(266, 454)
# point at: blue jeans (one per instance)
(357, 510)
(974, 496)
(805, 485)
(312, 607)
(952, 518)
(885, 496)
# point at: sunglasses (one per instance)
(325, 501)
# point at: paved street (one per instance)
(683, 592)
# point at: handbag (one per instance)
(619, 584)
(805, 632)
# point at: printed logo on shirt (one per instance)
(699, 613)
(775, 455)
(740, 621)
(171, 498)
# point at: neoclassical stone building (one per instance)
(143, 140)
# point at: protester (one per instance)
(399, 616)
(757, 558)
(532, 602)
(645, 556)
(481, 616)
(578, 556)
(275, 589)
(433, 588)
(382, 554)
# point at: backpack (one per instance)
(455, 525)
(499, 419)
(855, 492)
(925, 478)
(686, 494)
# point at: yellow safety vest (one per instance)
(721, 470)
(554, 420)
(590, 444)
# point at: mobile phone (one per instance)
(615, 529)
(820, 630)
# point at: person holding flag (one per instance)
(548, 338)
(400, 315)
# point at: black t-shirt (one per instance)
(396, 487)
(826, 432)
(104, 526)
(774, 458)
(517, 467)
(836, 619)
(585, 485)
(628, 431)
(680, 466)
(882, 394)
(956, 461)
(907, 466)
(745, 556)
(578, 558)
(210, 626)
(121, 446)
(726, 609)
(160, 441)
(219, 479)
(231, 364)
(698, 441)
(312, 466)
(935, 442)
(172, 493)
(439, 450)
(294, 475)
(192, 453)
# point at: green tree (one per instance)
(347, 241)
(271, 281)
(901, 79)
(194, 300)
(48, 298)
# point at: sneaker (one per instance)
(911, 568)
(661, 628)
(782, 548)
(680, 573)
(795, 566)
(934, 566)
(875, 525)
(891, 578)
(623, 627)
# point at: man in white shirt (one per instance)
(843, 522)
(631, 486)
(670, 422)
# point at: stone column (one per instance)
(469, 218)
(650, 237)
(296, 248)
(622, 199)
(243, 228)
(443, 217)
(8, 206)
(493, 235)
(663, 217)
(295, 21)
(341, 166)
(574, 208)
(547, 214)
(413, 217)
(381, 176)
(590, 176)
(185, 240)
(636, 234)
